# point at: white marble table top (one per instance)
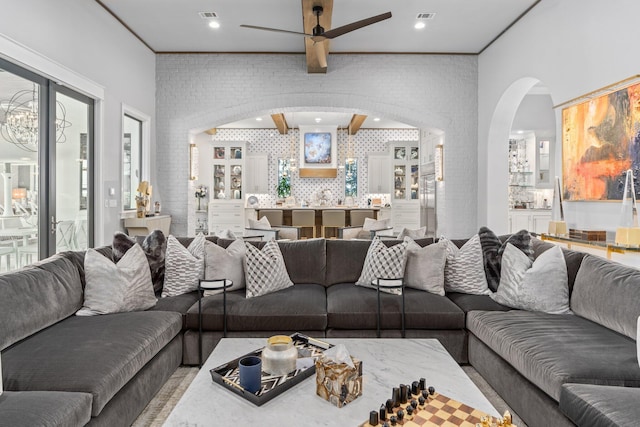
(385, 362)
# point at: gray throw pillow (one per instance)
(464, 269)
(116, 288)
(382, 262)
(221, 263)
(424, 269)
(538, 286)
(184, 267)
(265, 271)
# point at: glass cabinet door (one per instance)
(236, 181)
(415, 176)
(399, 181)
(219, 186)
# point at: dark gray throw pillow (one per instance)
(154, 247)
(493, 248)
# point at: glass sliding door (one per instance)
(71, 157)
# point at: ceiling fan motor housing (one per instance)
(318, 30)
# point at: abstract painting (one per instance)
(600, 142)
(317, 147)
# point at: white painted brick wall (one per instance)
(198, 92)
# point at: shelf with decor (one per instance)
(228, 181)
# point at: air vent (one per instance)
(426, 15)
(207, 15)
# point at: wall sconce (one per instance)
(193, 157)
(439, 162)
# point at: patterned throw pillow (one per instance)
(265, 271)
(492, 249)
(221, 263)
(464, 269)
(184, 266)
(154, 247)
(385, 263)
(541, 285)
(425, 267)
(116, 288)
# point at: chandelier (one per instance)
(20, 124)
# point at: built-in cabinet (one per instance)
(226, 208)
(405, 165)
(257, 173)
(379, 171)
(534, 220)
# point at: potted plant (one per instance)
(283, 189)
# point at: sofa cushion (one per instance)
(384, 262)
(464, 269)
(537, 286)
(607, 293)
(356, 307)
(301, 307)
(468, 302)
(553, 349)
(600, 406)
(115, 288)
(38, 296)
(44, 409)
(184, 267)
(345, 259)
(306, 260)
(97, 354)
(225, 263)
(265, 270)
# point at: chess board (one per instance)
(441, 410)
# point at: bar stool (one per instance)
(332, 219)
(304, 218)
(273, 215)
(358, 216)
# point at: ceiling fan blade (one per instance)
(255, 27)
(331, 34)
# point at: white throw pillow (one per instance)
(464, 269)
(116, 288)
(184, 267)
(538, 286)
(414, 234)
(221, 263)
(383, 263)
(371, 224)
(424, 269)
(265, 271)
(261, 224)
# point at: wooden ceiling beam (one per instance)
(356, 122)
(316, 55)
(211, 131)
(280, 122)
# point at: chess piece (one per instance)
(506, 419)
(383, 413)
(396, 397)
(394, 420)
(414, 403)
(373, 418)
(415, 387)
(400, 415)
(423, 384)
(421, 400)
(403, 393)
(432, 390)
(409, 410)
(389, 406)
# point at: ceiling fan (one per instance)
(319, 35)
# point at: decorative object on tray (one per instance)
(309, 350)
(417, 405)
(338, 376)
(589, 235)
(279, 356)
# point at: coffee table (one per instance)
(386, 363)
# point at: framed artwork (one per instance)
(600, 142)
(318, 151)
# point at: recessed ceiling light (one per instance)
(377, 119)
(259, 119)
(318, 119)
(520, 131)
(214, 24)
(419, 25)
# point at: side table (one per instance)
(212, 285)
(387, 283)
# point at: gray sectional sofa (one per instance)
(552, 370)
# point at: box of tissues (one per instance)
(338, 376)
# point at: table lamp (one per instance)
(557, 225)
(628, 233)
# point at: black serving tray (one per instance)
(271, 386)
